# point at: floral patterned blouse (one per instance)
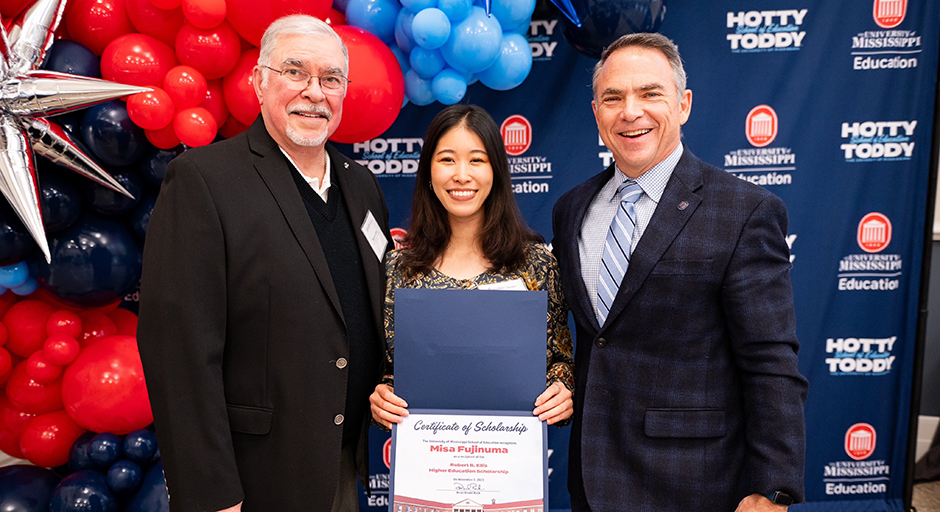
(539, 273)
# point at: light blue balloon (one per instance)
(403, 35)
(417, 89)
(14, 275)
(426, 63)
(523, 28)
(375, 16)
(474, 43)
(511, 13)
(419, 5)
(456, 10)
(449, 86)
(430, 28)
(513, 65)
(26, 288)
(403, 62)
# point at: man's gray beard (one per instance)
(300, 140)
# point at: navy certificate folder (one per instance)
(470, 349)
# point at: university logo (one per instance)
(398, 237)
(761, 126)
(860, 441)
(874, 232)
(517, 135)
(889, 13)
(387, 453)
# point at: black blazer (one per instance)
(689, 397)
(241, 332)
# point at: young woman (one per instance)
(467, 232)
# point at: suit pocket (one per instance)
(685, 423)
(250, 420)
(683, 267)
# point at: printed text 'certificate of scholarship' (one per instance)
(470, 364)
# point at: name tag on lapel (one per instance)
(373, 233)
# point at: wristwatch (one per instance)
(780, 498)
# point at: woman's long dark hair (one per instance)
(505, 235)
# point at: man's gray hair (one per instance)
(653, 41)
(299, 24)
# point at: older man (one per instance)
(688, 394)
(260, 304)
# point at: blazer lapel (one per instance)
(675, 208)
(274, 170)
(579, 206)
(349, 186)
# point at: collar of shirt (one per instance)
(320, 188)
(653, 182)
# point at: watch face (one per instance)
(782, 498)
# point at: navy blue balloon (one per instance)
(153, 164)
(109, 133)
(72, 123)
(84, 491)
(152, 495)
(78, 454)
(105, 449)
(124, 477)
(67, 56)
(140, 217)
(25, 488)
(60, 200)
(603, 21)
(95, 262)
(15, 242)
(140, 446)
(109, 202)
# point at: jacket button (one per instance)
(341, 363)
(601, 342)
(338, 419)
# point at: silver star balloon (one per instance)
(27, 96)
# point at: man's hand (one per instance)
(758, 503)
(236, 508)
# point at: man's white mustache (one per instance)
(312, 109)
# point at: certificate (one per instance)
(459, 460)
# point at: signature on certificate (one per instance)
(467, 487)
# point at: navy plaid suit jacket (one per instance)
(689, 397)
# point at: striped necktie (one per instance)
(617, 248)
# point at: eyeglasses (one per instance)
(299, 79)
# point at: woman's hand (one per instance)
(553, 405)
(387, 407)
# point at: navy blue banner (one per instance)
(830, 106)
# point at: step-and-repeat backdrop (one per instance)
(830, 106)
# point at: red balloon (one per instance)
(14, 420)
(64, 322)
(95, 23)
(40, 369)
(186, 86)
(26, 323)
(336, 18)
(7, 300)
(376, 87)
(250, 17)
(238, 89)
(48, 438)
(104, 389)
(48, 298)
(6, 365)
(195, 127)
(166, 4)
(27, 395)
(10, 444)
(212, 51)
(204, 13)
(151, 110)
(4, 334)
(164, 138)
(96, 325)
(126, 321)
(61, 349)
(214, 102)
(10, 8)
(162, 24)
(137, 59)
(231, 128)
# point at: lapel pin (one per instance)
(346, 165)
(683, 205)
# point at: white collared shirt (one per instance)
(604, 206)
(322, 189)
